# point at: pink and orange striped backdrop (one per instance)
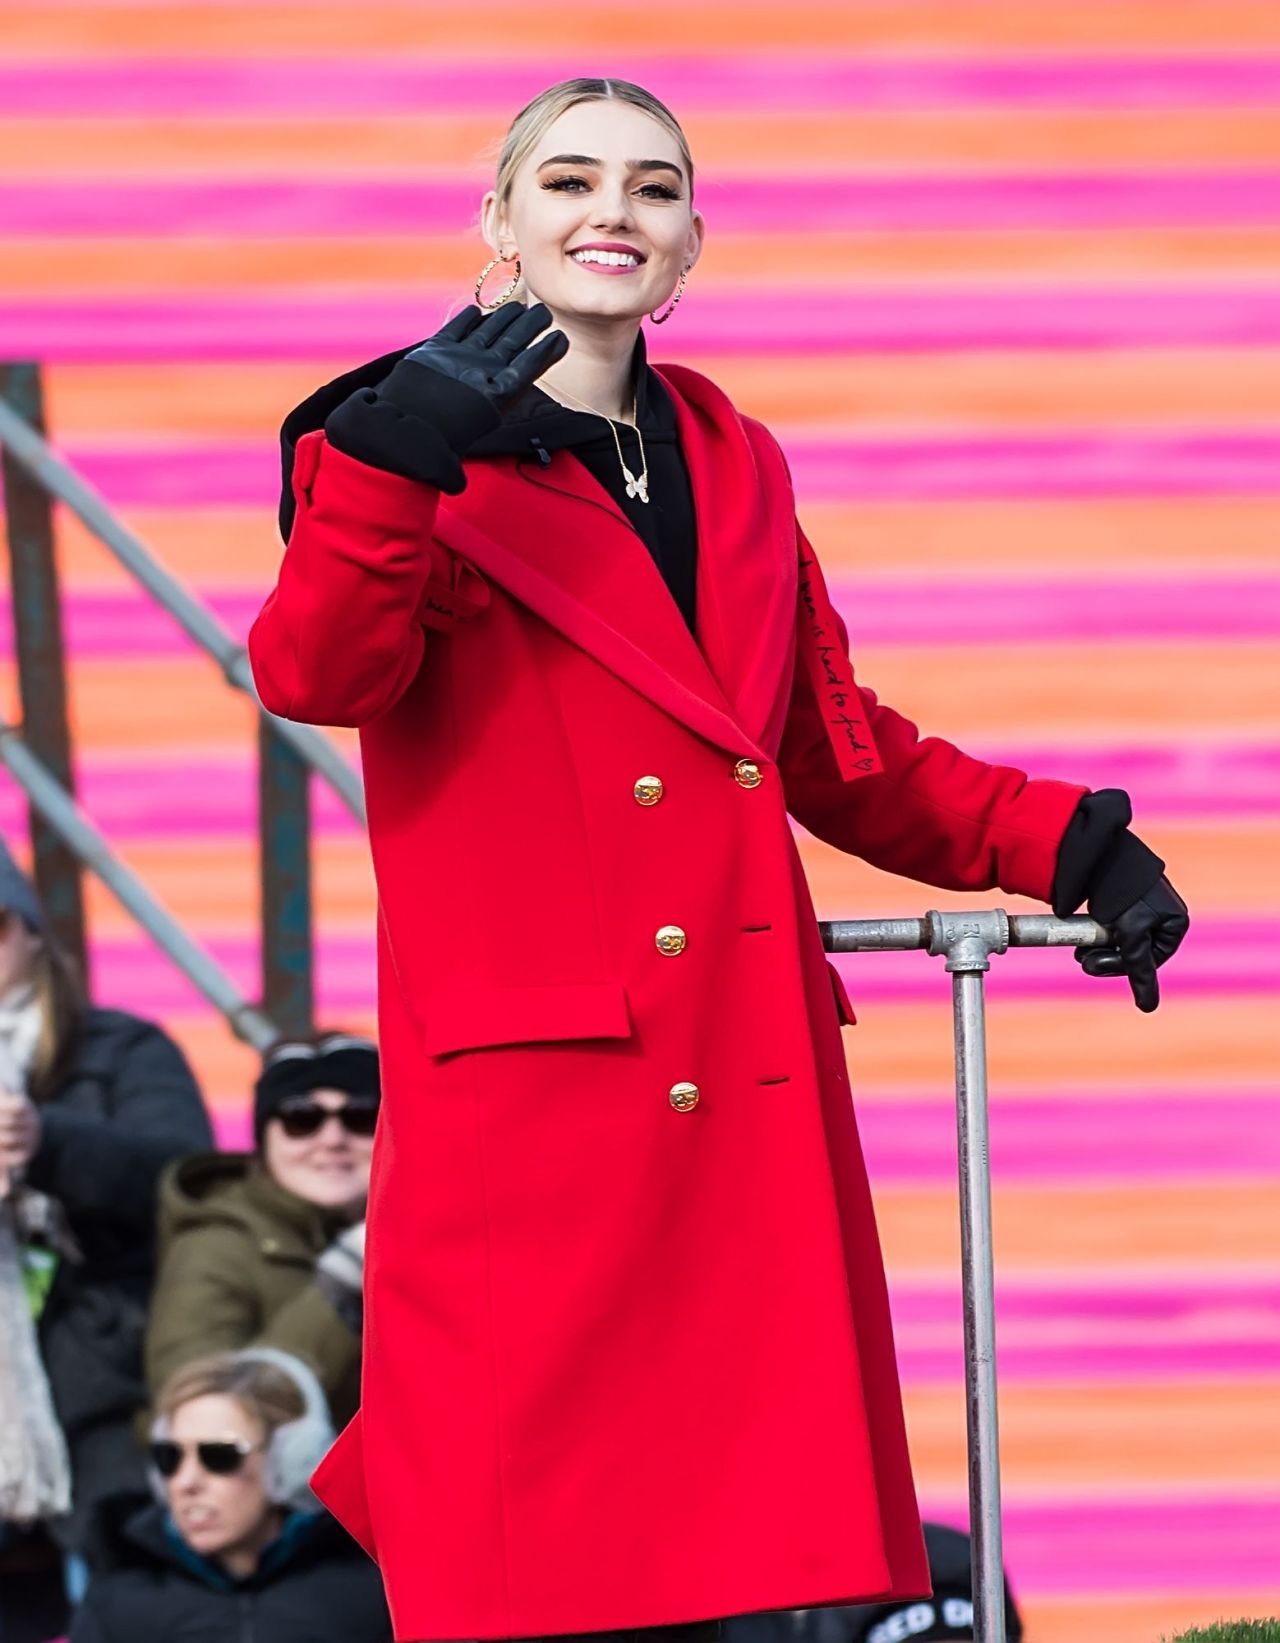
(1004, 278)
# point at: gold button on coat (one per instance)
(648, 790)
(684, 1097)
(671, 940)
(747, 773)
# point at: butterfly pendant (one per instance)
(636, 487)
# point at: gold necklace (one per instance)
(636, 486)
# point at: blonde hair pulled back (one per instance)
(536, 118)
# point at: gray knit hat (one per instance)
(18, 894)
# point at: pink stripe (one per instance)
(243, 474)
(1220, 958)
(111, 625)
(1155, 1360)
(1203, 1545)
(912, 614)
(306, 206)
(891, 470)
(1091, 1138)
(139, 799)
(1239, 780)
(763, 81)
(1228, 1329)
(1238, 1306)
(366, 323)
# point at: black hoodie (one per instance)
(313, 1583)
(405, 418)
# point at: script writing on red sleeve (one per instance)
(831, 675)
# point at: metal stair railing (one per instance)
(35, 476)
(60, 812)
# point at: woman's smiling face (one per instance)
(600, 214)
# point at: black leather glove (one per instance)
(445, 394)
(1145, 934)
(493, 355)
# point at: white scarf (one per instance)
(35, 1472)
(21, 1019)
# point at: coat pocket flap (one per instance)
(475, 1018)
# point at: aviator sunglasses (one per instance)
(220, 1457)
(308, 1117)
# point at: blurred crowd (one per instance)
(180, 1332)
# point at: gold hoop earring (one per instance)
(661, 319)
(506, 293)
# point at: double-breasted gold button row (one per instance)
(670, 939)
(649, 789)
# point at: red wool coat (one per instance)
(627, 1356)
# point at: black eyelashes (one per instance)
(569, 185)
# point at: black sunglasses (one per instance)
(222, 1458)
(308, 1118)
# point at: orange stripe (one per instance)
(1043, 1228)
(1123, 1442)
(1198, 388)
(1203, 1044)
(1178, 536)
(815, 261)
(1023, 690)
(1116, 1618)
(1219, 868)
(1033, 1045)
(928, 25)
(1014, 690)
(212, 887)
(846, 143)
(240, 547)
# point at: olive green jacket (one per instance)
(237, 1268)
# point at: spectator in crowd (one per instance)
(93, 1104)
(235, 1546)
(947, 1614)
(267, 1248)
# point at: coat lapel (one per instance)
(555, 540)
(747, 554)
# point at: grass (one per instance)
(1231, 1631)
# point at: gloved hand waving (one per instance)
(497, 354)
(446, 394)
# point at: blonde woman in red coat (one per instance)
(628, 1359)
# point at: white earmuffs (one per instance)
(294, 1450)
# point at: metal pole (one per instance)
(978, 1286)
(966, 940)
(42, 677)
(24, 445)
(284, 861)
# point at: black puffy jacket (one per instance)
(313, 1584)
